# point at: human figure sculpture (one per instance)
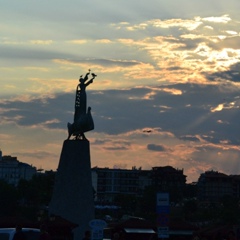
(83, 121)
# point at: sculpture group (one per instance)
(83, 120)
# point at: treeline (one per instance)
(30, 199)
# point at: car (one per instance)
(30, 233)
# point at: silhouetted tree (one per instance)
(230, 209)
(190, 208)
(148, 202)
(8, 199)
(38, 190)
(127, 202)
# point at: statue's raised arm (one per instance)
(83, 121)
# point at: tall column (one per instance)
(73, 194)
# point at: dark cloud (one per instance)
(189, 138)
(39, 111)
(38, 155)
(100, 141)
(157, 148)
(107, 62)
(113, 145)
(31, 53)
(189, 44)
(120, 111)
(116, 148)
(229, 42)
(217, 148)
(233, 74)
(175, 68)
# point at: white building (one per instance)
(11, 170)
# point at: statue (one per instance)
(83, 121)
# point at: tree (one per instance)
(38, 190)
(8, 200)
(35, 194)
(230, 209)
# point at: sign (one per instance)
(163, 220)
(162, 199)
(97, 226)
(97, 223)
(97, 234)
(163, 211)
(163, 232)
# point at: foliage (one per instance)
(128, 203)
(230, 209)
(190, 208)
(8, 199)
(38, 190)
(31, 196)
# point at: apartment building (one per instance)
(12, 170)
(236, 185)
(213, 185)
(109, 183)
(171, 180)
(168, 177)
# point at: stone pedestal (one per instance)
(73, 194)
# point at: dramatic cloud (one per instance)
(167, 86)
(154, 147)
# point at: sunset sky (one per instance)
(167, 90)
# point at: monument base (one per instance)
(73, 193)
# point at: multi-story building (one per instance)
(111, 182)
(169, 179)
(145, 180)
(11, 170)
(213, 185)
(236, 185)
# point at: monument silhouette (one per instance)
(72, 197)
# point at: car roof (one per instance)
(23, 229)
